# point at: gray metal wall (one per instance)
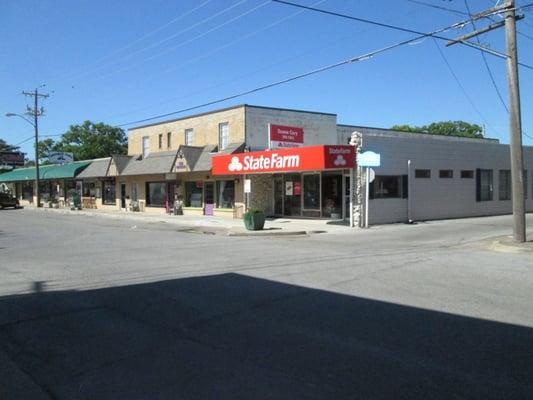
(438, 198)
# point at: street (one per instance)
(96, 308)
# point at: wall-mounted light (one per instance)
(246, 149)
(180, 153)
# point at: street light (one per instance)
(36, 127)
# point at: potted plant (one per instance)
(254, 219)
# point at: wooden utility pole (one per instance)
(515, 125)
(36, 113)
(515, 121)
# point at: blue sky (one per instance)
(118, 61)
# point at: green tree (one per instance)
(445, 128)
(4, 146)
(87, 141)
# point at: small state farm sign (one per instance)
(311, 158)
(281, 136)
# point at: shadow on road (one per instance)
(235, 337)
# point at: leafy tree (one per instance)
(4, 146)
(45, 147)
(445, 128)
(87, 141)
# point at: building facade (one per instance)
(173, 162)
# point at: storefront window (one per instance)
(386, 187)
(312, 192)
(89, 189)
(108, 191)
(27, 191)
(193, 194)
(156, 193)
(225, 194)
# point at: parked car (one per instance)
(8, 200)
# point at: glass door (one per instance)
(333, 196)
(311, 195)
(346, 196)
(292, 204)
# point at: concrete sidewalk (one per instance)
(218, 225)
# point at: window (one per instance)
(388, 187)
(504, 185)
(223, 136)
(189, 137)
(27, 191)
(225, 194)
(156, 193)
(169, 140)
(193, 194)
(160, 140)
(108, 190)
(483, 185)
(467, 174)
(146, 146)
(312, 191)
(446, 173)
(89, 189)
(422, 173)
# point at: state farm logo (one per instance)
(235, 164)
(264, 163)
(339, 161)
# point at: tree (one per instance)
(7, 147)
(87, 141)
(445, 128)
(45, 147)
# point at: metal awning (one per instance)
(46, 172)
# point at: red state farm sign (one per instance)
(285, 136)
(309, 158)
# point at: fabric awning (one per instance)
(46, 172)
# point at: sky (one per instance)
(121, 61)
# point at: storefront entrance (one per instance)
(310, 194)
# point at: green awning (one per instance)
(46, 172)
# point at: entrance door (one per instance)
(347, 197)
(333, 197)
(122, 195)
(293, 195)
(169, 199)
(209, 198)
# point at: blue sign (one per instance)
(369, 159)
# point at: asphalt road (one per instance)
(94, 308)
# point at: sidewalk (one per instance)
(218, 225)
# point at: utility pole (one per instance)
(515, 125)
(515, 122)
(36, 112)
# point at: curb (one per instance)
(267, 233)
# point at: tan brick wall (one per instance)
(205, 131)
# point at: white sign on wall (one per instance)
(288, 188)
(369, 159)
(247, 186)
(60, 157)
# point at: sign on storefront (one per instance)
(369, 159)
(247, 186)
(281, 136)
(60, 157)
(311, 158)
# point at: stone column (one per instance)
(357, 200)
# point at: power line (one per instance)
(227, 22)
(140, 39)
(293, 78)
(166, 39)
(463, 89)
(399, 28)
(486, 62)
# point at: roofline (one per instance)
(289, 109)
(227, 109)
(417, 132)
(188, 117)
